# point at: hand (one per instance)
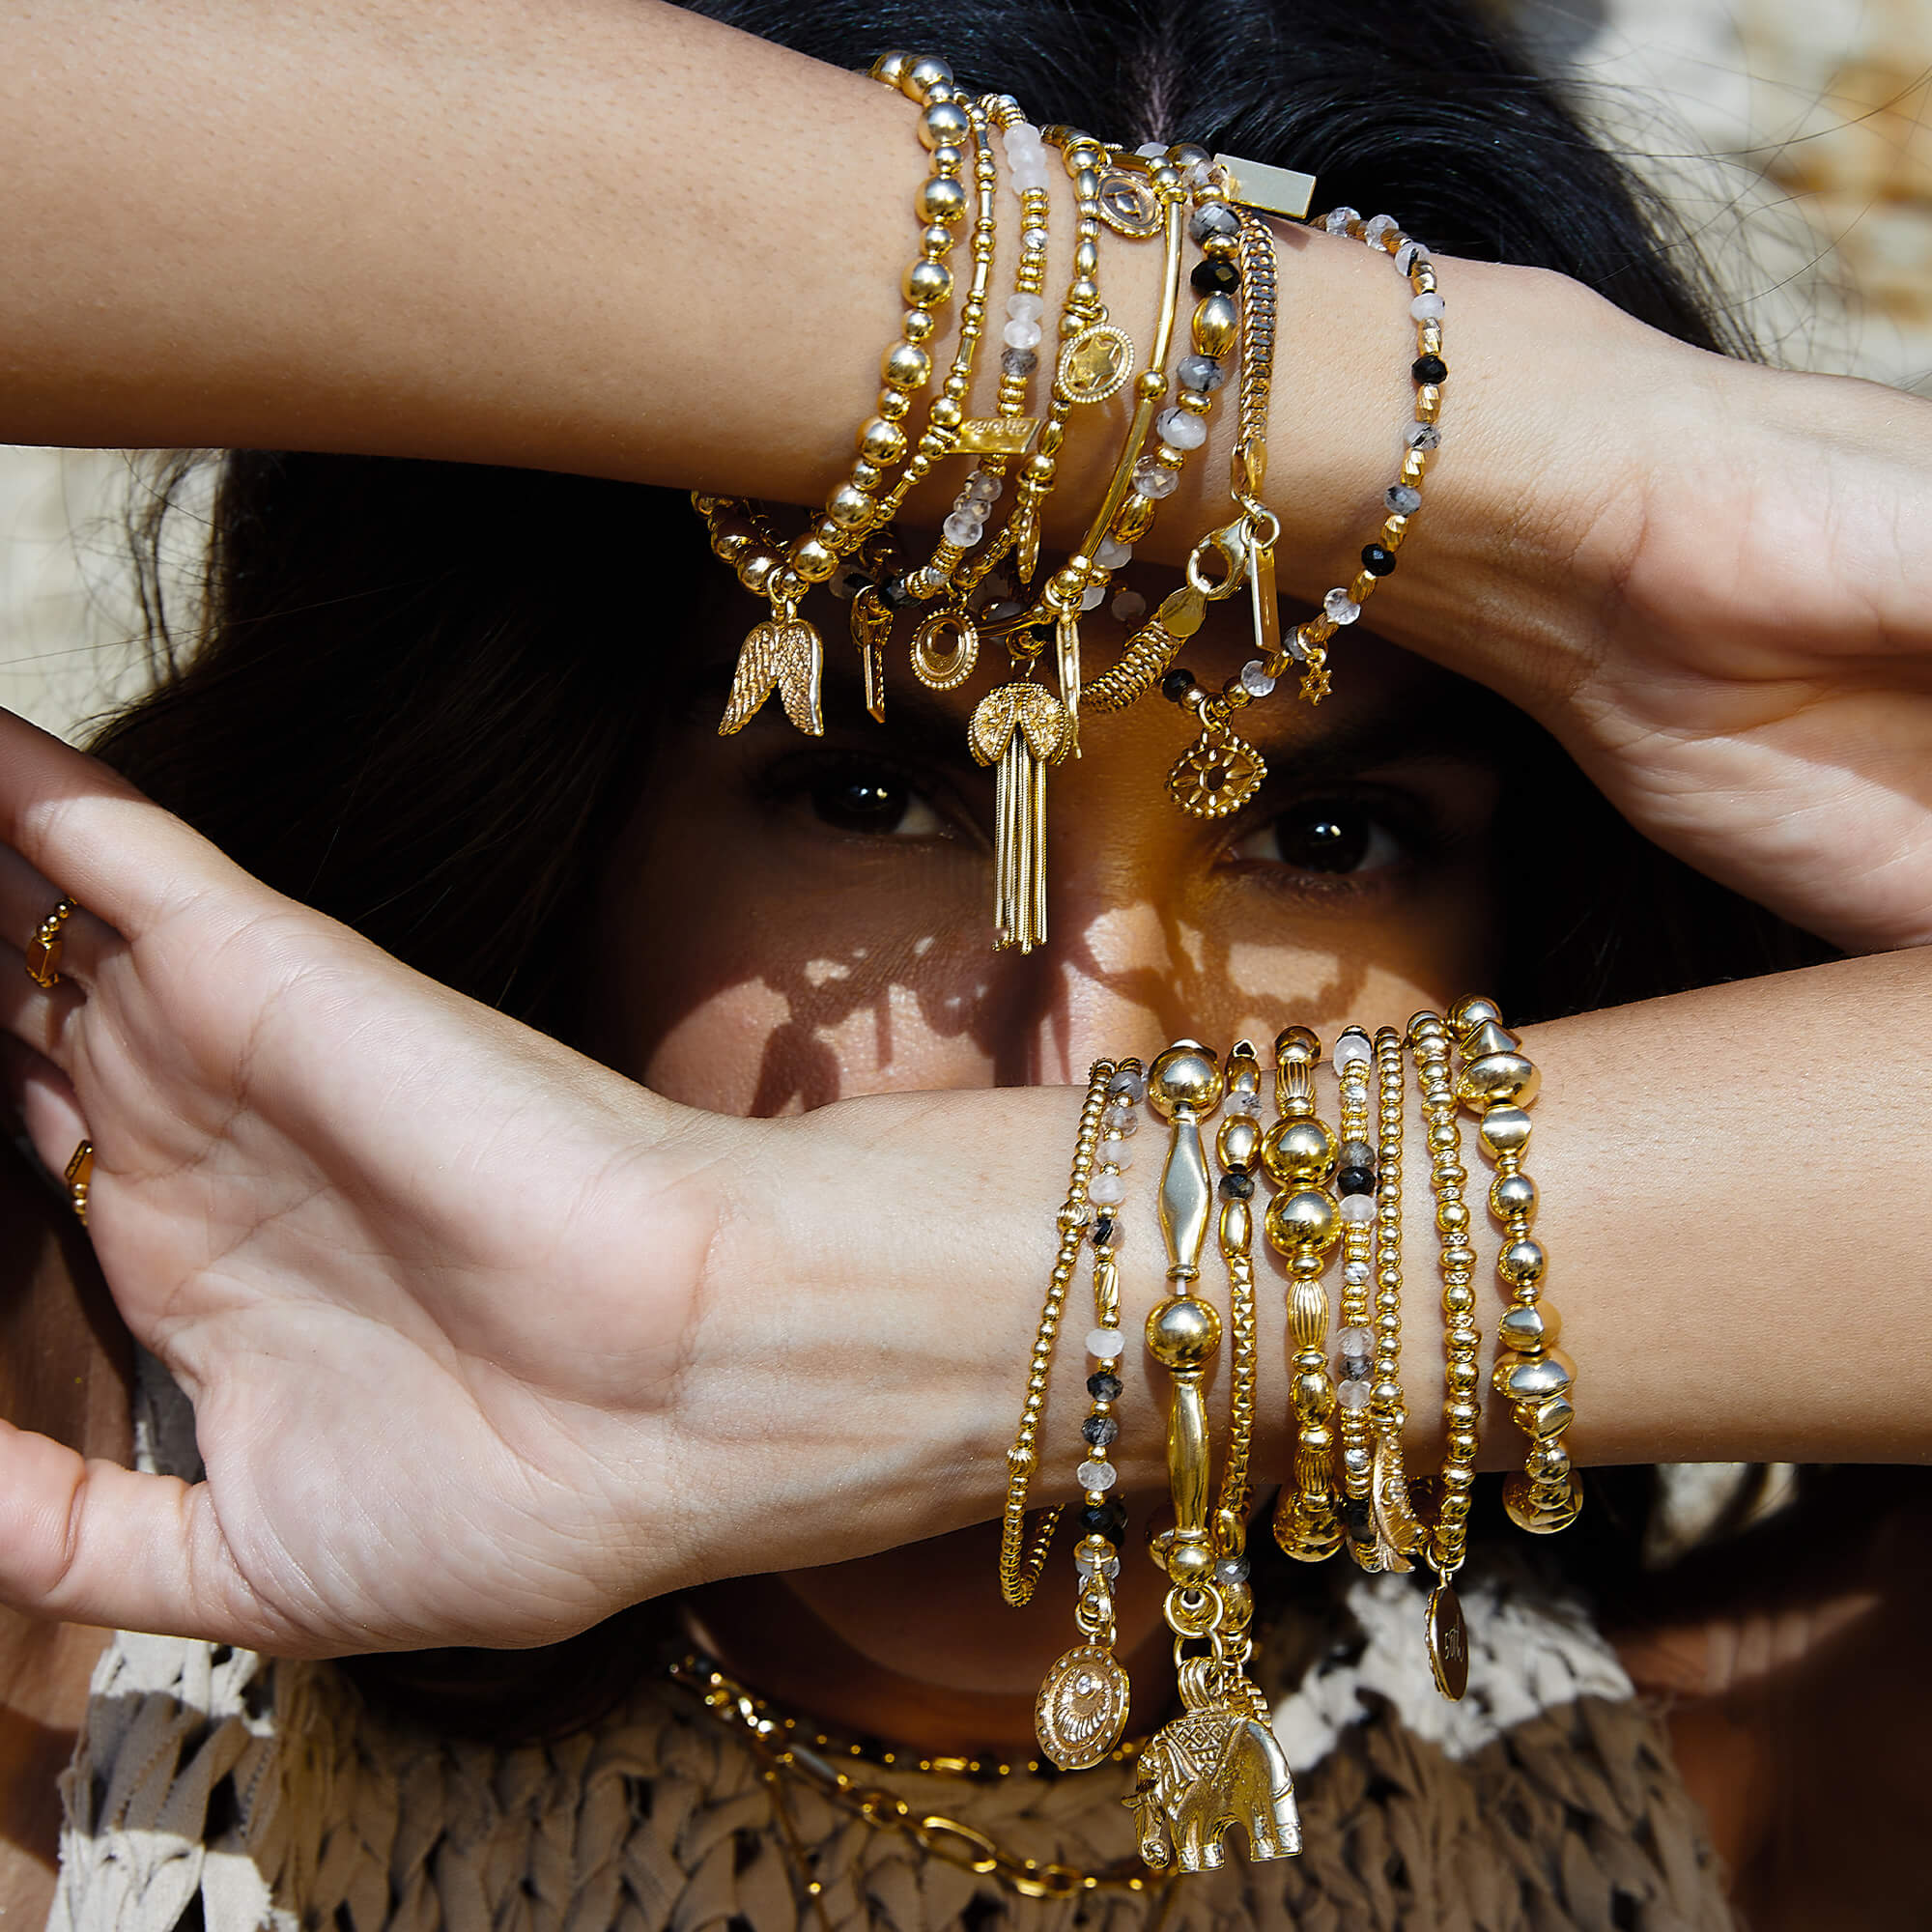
(1744, 665)
(366, 1224)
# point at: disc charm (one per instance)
(1130, 206)
(1448, 1641)
(1082, 1707)
(1216, 775)
(1096, 363)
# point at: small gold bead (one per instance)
(941, 201)
(895, 406)
(882, 442)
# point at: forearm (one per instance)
(1689, 1152)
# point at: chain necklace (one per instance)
(787, 1747)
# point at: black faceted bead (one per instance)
(1428, 369)
(1108, 1519)
(1105, 1228)
(1237, 1185)
(1103, 1387)
(1100, 1430)
(1356, 1180)
(1176, 686)
(1215, 278)
(1356, 1520)
(896, 595)
(1378, 561)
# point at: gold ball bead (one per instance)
(1238, 1141)
(1297, 1046)
(1186, 1075)
(865, 475)
(1304, 1222)
(926, 284)
(945, 124)
(1425, 1025)
(1505, 1130)
(1512, 1194)
(813, 560)
(882, 442)
(924, 75)
(1190, 1562)
(850, 508)
(945, 413)
(1452, 1217)
(1182, 1332)
(895, 406)
(935, 242)
(941, 201)
(1458, 1300)
(729, 545)
(1470, 1013)
(1298, 1151)
(755, 572)
(891, 68)
(917, 326)
(1149, 386)
(905, 367)
(1506, 1077)
(1218, 323)
(1463, 1443)
(1522, 1264)
(1313, 1396)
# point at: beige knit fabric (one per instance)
(213, 1790)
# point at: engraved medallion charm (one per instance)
(1214, 1767)
(786, 653)
(1130, 206)
(1448, 1641)
(1082, 1707)
(1216, 775)
(1096, 363)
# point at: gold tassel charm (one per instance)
(785, 654)
(1022, 729)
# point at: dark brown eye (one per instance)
(1332, 836)
(871, 801)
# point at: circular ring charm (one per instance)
(1082, 1707)
(1129, 205)
(1096, 363)
(946, 671)
(1216, 775)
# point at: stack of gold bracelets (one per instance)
(1333, 1191)
(982, 581)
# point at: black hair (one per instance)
(418, 692)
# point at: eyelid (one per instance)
(793, 775)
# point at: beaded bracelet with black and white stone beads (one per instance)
(1497, 1082)
(1307, 645)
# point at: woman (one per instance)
(485, 1342)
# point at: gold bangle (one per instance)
(1237, 1147)
(1498, 1081)
(1461, 1342)
(1021, 1562)
(1400, 1532)
(1304, 1223)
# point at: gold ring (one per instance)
(79, 1172)
(44, 949)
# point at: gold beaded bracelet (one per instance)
(1497, 1082)
(1304, 1221)
(1021, 1561)
(1461, 1342)
(1354, 1338)
(1400, 1532)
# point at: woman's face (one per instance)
(791, 920)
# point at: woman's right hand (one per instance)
(323, 1188)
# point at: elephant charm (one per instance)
(1214, 1767)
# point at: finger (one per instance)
(41, 1016)
(27, 896)
(85, 828)
(42, 1100)
(91, 1543)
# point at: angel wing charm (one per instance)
(784, 653)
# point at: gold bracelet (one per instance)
(1461, 1342)
(1399, 1533)
(1081, 1710)
(1304, 1222)
(1354, 1338)
(1237, 1147)
(1498, 1081)
(1403, 498)
(1217, 1764)
(1021, 1562)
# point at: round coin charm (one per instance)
(1216, 775)
(1448, 1641)
(1094, 364)
(937, 666)
(1082, 1707)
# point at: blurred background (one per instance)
(1792, 134)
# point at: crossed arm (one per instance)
(417, 1265)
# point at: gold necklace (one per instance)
(787, 1747)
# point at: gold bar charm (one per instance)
(1262, 597)
(1269, 191)
(997, 436)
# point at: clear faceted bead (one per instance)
(1402, 499)
(1379, 226)
(962, 529)
(1153, 479)
(1341, 607)
(1113, 554)
(1131, 1086)
(1093, 1475)
(1337, 219)
(1129, 606)
(1116, 1152)
(1429, 307)
(1179, 429)
(1107, 1191)
(1025, 309)
(1352, 1394)
(1358, 1342)
(1255, 680)
(1422, 436)
(1105, 1344)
